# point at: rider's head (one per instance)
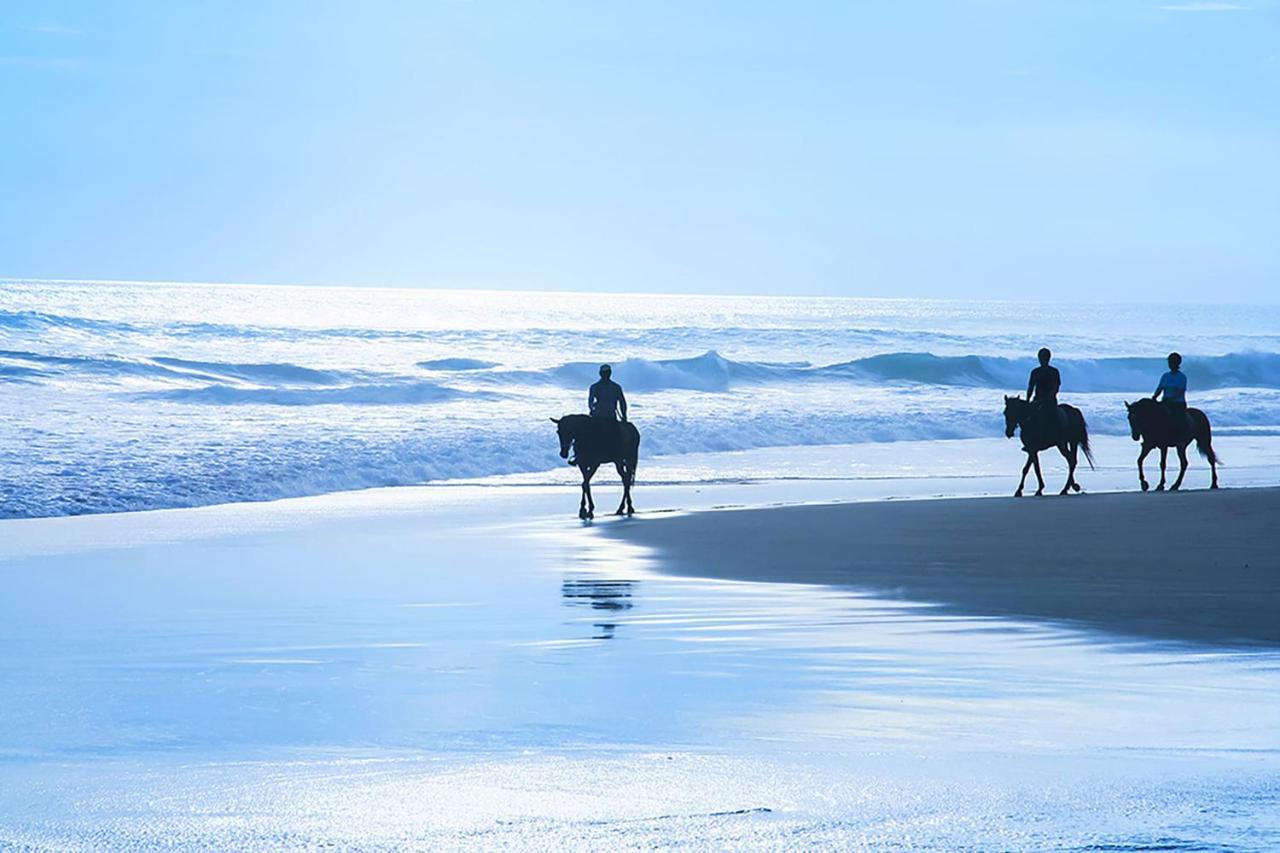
(1044, 355)
(1175, 361)
(605, 371)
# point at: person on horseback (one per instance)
(1042, 389)
(1173, 385)
(607, 404)
(605, 399)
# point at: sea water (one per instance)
(127, 397)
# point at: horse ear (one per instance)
(555, 420)
(1128, 405)
(1006, 398)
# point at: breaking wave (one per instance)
(713, 372)
(193, 396)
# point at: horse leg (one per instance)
(1164, 458)
(591, 503)
(587, 509)
(1068, 452)
(1213, 467)
(626, 487)
(1035, 462)
(1182, 469)
(586, 480)
(1142, 478)
(1023, 481)
(622, 475)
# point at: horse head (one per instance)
(1014, 408)
(564, 429)
(1139, 416)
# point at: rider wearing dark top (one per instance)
(1044, 382)
(605, 399)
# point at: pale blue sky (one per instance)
(1096, 150)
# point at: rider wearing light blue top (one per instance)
(1173, 385)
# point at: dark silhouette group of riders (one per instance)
(605, 435)
(1157, 423)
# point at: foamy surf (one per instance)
(127, 397)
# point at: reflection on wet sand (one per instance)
(599, 594)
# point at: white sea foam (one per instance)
(135, 397)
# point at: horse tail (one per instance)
(1204, 441)
(1084, 441)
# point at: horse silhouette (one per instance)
(1070, 435)
(1155, 427)
(595, 441)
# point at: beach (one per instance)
(463, 666)
(1192, 566)
(300, 567)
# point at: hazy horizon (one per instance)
(1097, 152)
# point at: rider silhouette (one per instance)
(1045, 382)
(605, 399)
(605, 403)
(1174, 387)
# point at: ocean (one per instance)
(124, 396)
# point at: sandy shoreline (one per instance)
(1193, 566)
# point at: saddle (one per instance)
(606, 436)
(1179, 422)
(1055, 424)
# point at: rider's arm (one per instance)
(1159, 388)
(622, 403)
(1031, 381)
(591, 401)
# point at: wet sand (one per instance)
(1192, 566)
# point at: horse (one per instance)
(1155, 428)
(591, 448)
(1070, 438)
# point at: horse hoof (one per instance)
(1145, 485)
(1076, 486)
(1018, 493)
(1160, 488)
(1039, 492)
(1174, 488)
(631, 510)
(1213, 486)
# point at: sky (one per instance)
(1067, 149)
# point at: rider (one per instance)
(1045, 382)
(605, 400)
(1174, 387)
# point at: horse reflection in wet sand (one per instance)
(613, 596)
